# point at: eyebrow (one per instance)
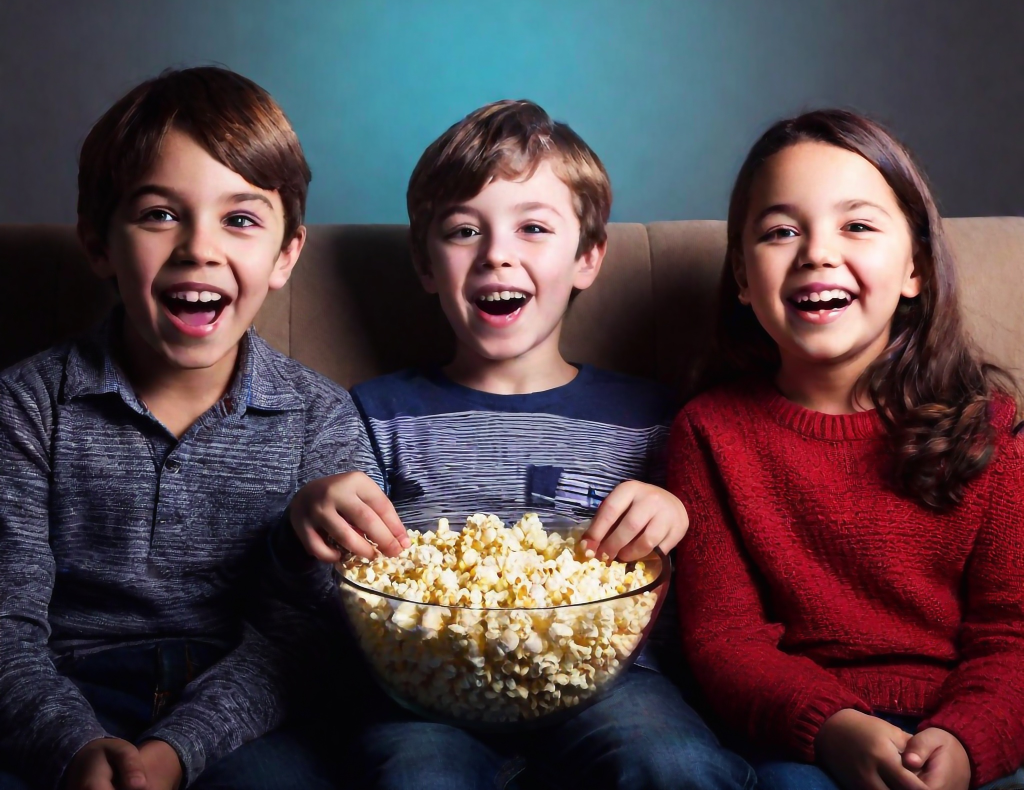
(520, 207)
(156, 189)
(844, 205)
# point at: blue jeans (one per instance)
(131, 688)
(642, 735)
(782, 775)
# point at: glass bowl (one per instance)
(503, 668)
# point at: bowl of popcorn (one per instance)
(498, 627)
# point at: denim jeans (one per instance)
(131, 688)
(782, 775)
(642, 735)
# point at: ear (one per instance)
(287, 259)
(96, 251)
(588, 266)
(912, 283)
(421, 263)
(739, 273)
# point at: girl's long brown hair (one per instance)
(930, 387)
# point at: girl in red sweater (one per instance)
(852, 586)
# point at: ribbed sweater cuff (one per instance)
(813, 714)
(985, 735)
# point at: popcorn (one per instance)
(484, 632)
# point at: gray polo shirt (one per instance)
(113, 532)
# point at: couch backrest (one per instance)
(354, 308)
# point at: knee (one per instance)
(428, 757)
(692, 765)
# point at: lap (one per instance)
(784, 775)
(643, 734)
(285, 759)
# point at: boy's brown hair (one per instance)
(231, 117)
(506, 139)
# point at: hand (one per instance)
(633, 519)
(106, 764)
(939, 759)
(163, 768)
(348, 511)
(863, 752)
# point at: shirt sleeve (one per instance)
(293, 626)
(44, 719)
(982, 700)
(778, 700)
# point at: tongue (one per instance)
(198, 318)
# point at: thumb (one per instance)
(129, 770)
(919, 748)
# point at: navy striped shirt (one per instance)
(113, 532)
(447, 450)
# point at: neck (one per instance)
(175, 396)
(827, 387)
(542, 368)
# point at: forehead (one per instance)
(185, 167)
(812, 174)
(544, 185)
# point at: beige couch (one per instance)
(354, 309)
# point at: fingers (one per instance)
(386, 512)
(638, 528)
(919, 750)
(897, 777)
(608, 515)
(346, 512)
(129, 770)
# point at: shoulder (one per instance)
(38, 378)
(648, 399)
(290, 384)
(733, 402)
(408, 393)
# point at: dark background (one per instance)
(670, 94)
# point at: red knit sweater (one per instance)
(807, 586)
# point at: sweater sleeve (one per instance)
(251, 690)
(732, 644)
(982, 700)
(44, 719)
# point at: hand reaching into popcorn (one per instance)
(633, 519)
(347, 511)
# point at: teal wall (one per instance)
(670, 94)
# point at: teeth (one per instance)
(498, 296)
(192, 296)
(205, 296)
(824, 296)
(196, 296)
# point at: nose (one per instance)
(819, 252)
(200, 244)
(498, 252)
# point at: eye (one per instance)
(240, 221)
(858, 227)
(157, 215)
(534, 228)
(462, 232)
(776, 234)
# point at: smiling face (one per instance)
(827, 254)
(504, 265)
(195, 249)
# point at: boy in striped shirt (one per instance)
(507, 216)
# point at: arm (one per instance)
(730, 641)
(44, 720)
(982, 700)
(249, 692)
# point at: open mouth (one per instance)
(195, 308)
(501, 303)
(822, 301)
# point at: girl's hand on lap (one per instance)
(635, 518)
(106, 764)
(863, 752)
(938, 757)
(346, 512)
